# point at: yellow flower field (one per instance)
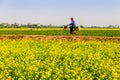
(59, 60)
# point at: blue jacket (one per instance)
(72, 24)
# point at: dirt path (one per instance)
(66, 38)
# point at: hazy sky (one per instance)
(58, 12)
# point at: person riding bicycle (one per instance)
(72, 25)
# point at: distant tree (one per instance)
(81, 26)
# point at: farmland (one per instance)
(115, 32)
(54, 54)
(49, 59)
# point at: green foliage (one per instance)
(111, 33)
(59, 60)
(60, 31)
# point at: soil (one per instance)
(65, 38)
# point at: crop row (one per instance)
(110, 33)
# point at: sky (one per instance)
(58, 12)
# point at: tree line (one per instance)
(30, 25)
